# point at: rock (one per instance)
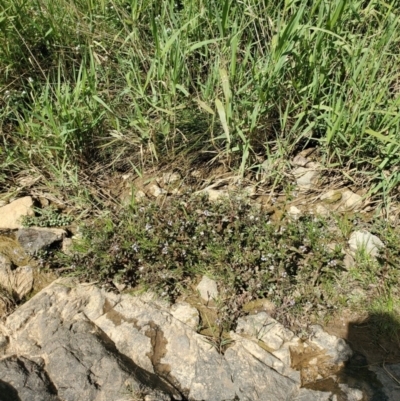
(34, 240)
(331, 196)
(207, 288)
(364, 240)
(350, 201)
(155, 191)
(118, 285)
(390, 387)
(11, 214)
(186, 314)
(18, 282)
(79, 358)
(299, 160)
(348, 261)
(250, 190)
(266, 383)
(139, 195)
(352, 394)
(67, 246)
(170, 178)
(264, 328)
(336, 348)
(24, 380)
(306, 178)
(294, 212)
(321, 210)
(214, 194)
(95, 345)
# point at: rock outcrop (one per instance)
(78, 342)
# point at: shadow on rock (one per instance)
(374, 367)
(8, 392)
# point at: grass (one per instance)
(89, 88)
(128, 84)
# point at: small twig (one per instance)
(396, 380)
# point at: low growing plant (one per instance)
(168, 247)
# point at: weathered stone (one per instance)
(214, 194)
(118, 285)
(299, 160)
(171, 178)
(67, 246)
(35, 239)
(186, 314)
(350, 201)
(155, 191)
(331, 196)
(266, 383)
(294, 212)
(96, 345)
(364, 240)
(264, 328)
(336, 348)
(11, 214)
(80, 359)
(348, 261)
(321, 210)
(207, 288)
(390, 388)
(307, 177)
(24, 380)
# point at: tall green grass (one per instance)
(127, 83)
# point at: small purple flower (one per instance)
(206, 213)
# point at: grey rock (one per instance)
(36, 239)
(336, 348)
(307, 177)
(90, 344)
(11, 214)
(254, 380)
(389, 386)
(24, 380)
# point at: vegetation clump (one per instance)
(47, 217)
(168, 247)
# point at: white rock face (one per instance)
(365, 240)
(207, 288)
(11, 214)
